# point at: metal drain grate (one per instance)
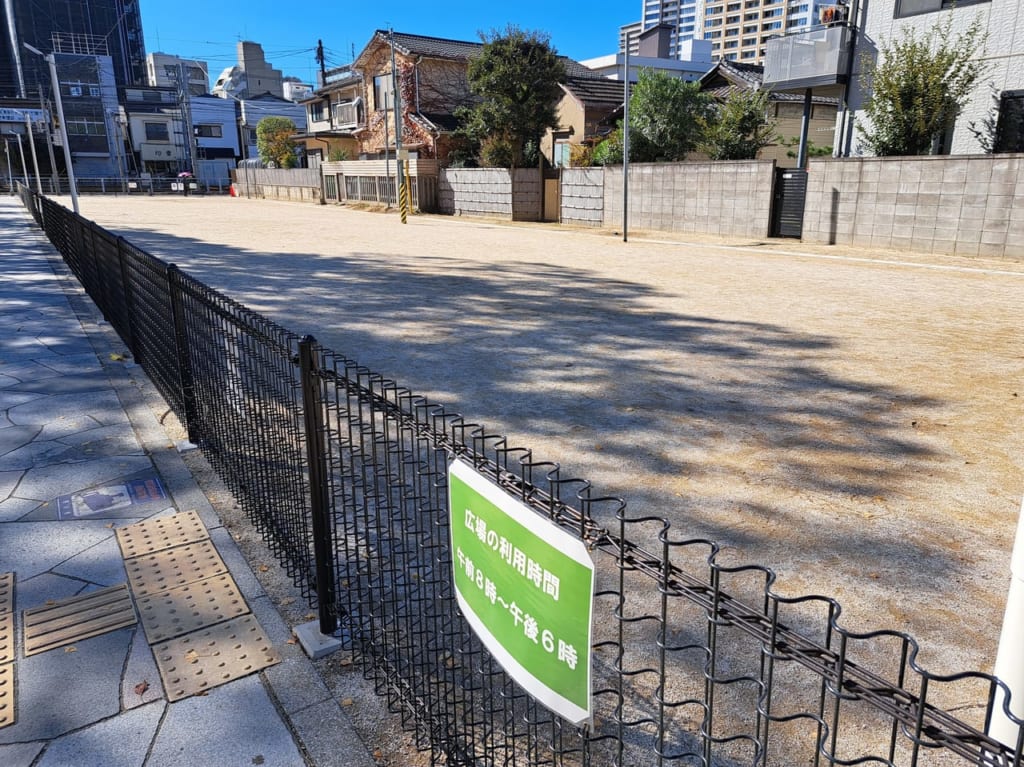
(191, 607)
(152, 573)
(206, 659)
(7, 694)
(73, 620)
(6, 619)
(160, 533)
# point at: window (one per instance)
(157, 132)
(94, 91)
(84, 127)
(382, 93)
(914, 7)
(209, 131)
(1010, 126)
(75, 90)
(749, 54)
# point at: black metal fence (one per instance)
(345, 474)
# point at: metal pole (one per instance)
(10, 176)
(35, 159)
(55, 189)
(72, 184)
(396, 104)
(21, 151)
(320, 505)
(625, 146)
(805, 127)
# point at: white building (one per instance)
(164, 70)
(652, 49)
(737, 29)
(1003, 23)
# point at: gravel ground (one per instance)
(851, 419)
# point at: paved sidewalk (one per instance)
(105, 667)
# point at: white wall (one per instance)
(1003, 20)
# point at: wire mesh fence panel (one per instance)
(243, 405)
(693, 662)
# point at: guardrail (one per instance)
(345, 474)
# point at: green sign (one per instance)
(526, 587)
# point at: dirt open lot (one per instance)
(850, 419)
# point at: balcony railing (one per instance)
(819, 56)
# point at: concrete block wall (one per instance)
(492, 192)
(582, 196)
(725, 198)
(962, 205)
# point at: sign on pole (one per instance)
(526, 588)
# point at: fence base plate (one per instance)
(315, 644)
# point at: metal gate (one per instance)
(790, 191)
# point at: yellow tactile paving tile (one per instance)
(160, 533)
(72, 620)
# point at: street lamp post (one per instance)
(10, 176)
(21, 151)
(35, 158)
(72, 185)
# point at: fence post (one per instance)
(126, 295)
(323, 540)
(188, 389)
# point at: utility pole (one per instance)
(625, 145)
(32, 146)
(21, 151)
(397, 106)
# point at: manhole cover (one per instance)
(191, 607)
(160, 533)
(6, 617)
(167, 569)
(6, 694)
(206, 659)
(78, 618)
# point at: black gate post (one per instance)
(185, 381)
(323, 539)
(128, 299)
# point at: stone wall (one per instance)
(582, 196)
(725, 198)
(967, 205)
(491, 192)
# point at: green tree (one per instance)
(274, 141)
(666, 117)
(919, 85)
(516, 79)
(739, 126)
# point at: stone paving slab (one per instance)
(20, 754)
(31, 548)
(58, 707)
(120, 741)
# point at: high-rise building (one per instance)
(81, 27)
(737, 29)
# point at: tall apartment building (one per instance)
(79, 27)
(737, 29)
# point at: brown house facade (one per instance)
(583, 113)
(432, 84)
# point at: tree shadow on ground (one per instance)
(730, 429)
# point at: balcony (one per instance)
(346, 115)
(817, 57)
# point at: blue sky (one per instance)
(210, 29)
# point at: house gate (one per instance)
(788, 194)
